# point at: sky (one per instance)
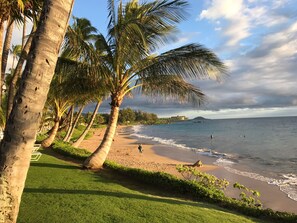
(256, 39)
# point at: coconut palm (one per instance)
(62, 95)
(70, 122)
(73, 64)
(32, 10)
(7, 10)
(16, 52)
(89, 90)
(22, 125)
(89, 125)
(59, 103)
(135, 31)
(15, 11)
(14, 17)
(16, 74)
(6, 46)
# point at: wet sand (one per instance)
(156, 157)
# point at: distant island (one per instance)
(199, 118)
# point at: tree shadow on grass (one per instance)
(136, 185)
(112, 194)
(52, 165)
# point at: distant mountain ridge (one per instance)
(199, 118)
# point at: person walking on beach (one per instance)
(140, 148)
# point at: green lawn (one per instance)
(57, 191)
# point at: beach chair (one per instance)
(35, 154)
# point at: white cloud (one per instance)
(242, 16)
(231, 11)
(279, 3)
(222, 8)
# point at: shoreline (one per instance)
(157, 157)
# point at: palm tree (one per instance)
(70, 122)
(135, 31)
(32, 10)
(72, 64)
(89, 125)
(22, 125)
(16, 52)
(61, 95)
(6, 46)
(16, 74)
(9, 11)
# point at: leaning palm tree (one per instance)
(72, 64)
(32, 10)
(22, 125)
(60, 96)
(135, 31)
(7, 10)
(89, 125)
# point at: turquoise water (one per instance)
(260, 148)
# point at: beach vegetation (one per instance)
(131, 66)
(127, 115)
(193, 174)
(188, 189)
(130, 116)
(248, 196)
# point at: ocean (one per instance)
(261, 148)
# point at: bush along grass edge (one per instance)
(180, 186)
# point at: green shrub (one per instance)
(250, 197)
(207, 180)
(66, 149)
(183, 187)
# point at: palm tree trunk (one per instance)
(24, 32)
(17, 72)
(96, 160)
(22, 125)
(6, 47)
(49, 140)
(75, 123)
(1, 47)
(87, 129)
(12, 65)
(70, 123)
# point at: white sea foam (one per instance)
(288, 183)
(171, 142)
(223, 162)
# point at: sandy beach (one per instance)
(163, 158)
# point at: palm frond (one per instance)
(142, 27)
(172, 88)
(111, 13)
(189, 61)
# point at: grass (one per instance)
(57, 191)
(79, 130)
